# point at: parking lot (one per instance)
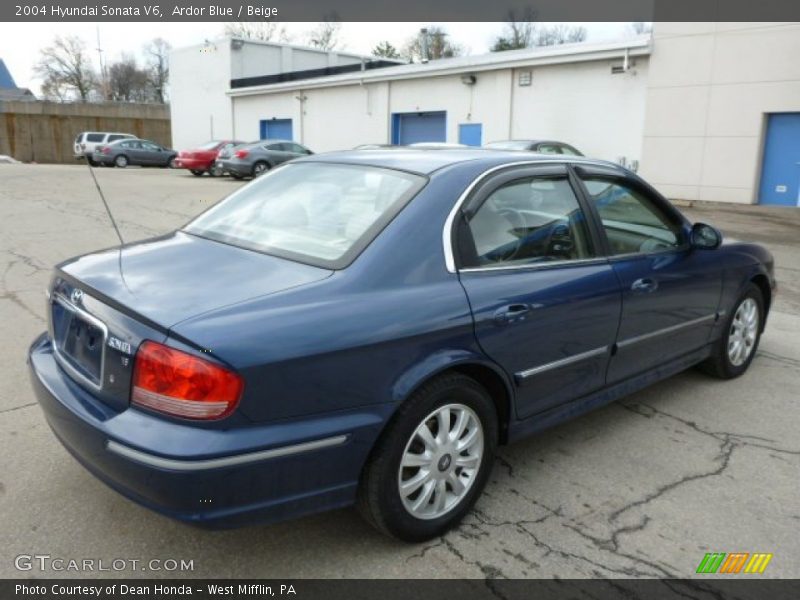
(641, 488)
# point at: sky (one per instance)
(20, 43)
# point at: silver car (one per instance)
(251, 160)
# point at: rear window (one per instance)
(95, 137)
(209, 145)
(322, 214)
(116, 136)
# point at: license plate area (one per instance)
(79, 340)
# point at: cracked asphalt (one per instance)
(641, 488)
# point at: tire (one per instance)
(121, 161)
(197, 173)
(725, 362)
(215, 171)
(171, 162)
(260, 168)
(237, 176)
(93, 162)
(380, 500)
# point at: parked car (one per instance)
(254, 159)
(203, 159)
(86, 143)
(540, 146)
(368, 327)
(134, 152)
(374, 146)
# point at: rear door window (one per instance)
(528, 221)
(115, 137)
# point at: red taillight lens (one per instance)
(106, 150)
(242, 153)
(177, 383)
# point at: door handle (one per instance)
(511, 313)
(644, 285)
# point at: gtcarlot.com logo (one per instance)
(45, 563)
(735, 562)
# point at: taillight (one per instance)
(241, 153)
(106, 150)
(180, 384)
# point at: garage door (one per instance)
(411, 128)
(780, 173)
(276, 129)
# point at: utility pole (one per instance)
(103, 79)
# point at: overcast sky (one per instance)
(20, 42)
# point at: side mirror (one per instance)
(705, 237)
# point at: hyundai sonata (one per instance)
(366, 327)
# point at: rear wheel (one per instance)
(121, 161)
(197, 172)
(260, 168)
(171, 162)
(93, 162)
(734, 351)
(215, 171)
(432, 462)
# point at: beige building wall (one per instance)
(710, 89)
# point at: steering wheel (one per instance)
(517, 223)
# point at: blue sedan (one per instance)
(367, 327)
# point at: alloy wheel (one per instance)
(441, 461)
(743, 333)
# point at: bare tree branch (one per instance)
(65, 67)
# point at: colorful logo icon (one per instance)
(735, 562)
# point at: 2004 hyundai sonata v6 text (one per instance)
(366, 327)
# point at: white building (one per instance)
(202, 75)
(708, 111)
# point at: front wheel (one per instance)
(734, 351)
(432, 462)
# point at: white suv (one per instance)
(87, 141)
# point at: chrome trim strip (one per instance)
(672, 328)
(561, 363)
(447, 242)
(63, 361)
(597, 260)
(218, 463)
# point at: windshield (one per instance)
(324, 214)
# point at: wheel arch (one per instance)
(475, 366)
(762, 282)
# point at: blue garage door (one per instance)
(470, 134)
(411, 128)
(780, 173)
(276, 129)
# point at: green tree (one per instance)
(386, 50)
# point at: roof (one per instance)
(16, 94)
(6, 80)
(527, 57)
(425, 161)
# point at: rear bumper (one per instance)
(210, 477)
(193, 164)
(237, 168)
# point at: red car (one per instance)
(201, 159)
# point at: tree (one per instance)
(560, 34)
(639, 27)
(126, 81)
(325, 35)
(65, 68)
(436, 46)
(157, 69)
(519, 32)
(386, 50)
(264, 31)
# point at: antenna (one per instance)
(103, 198)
